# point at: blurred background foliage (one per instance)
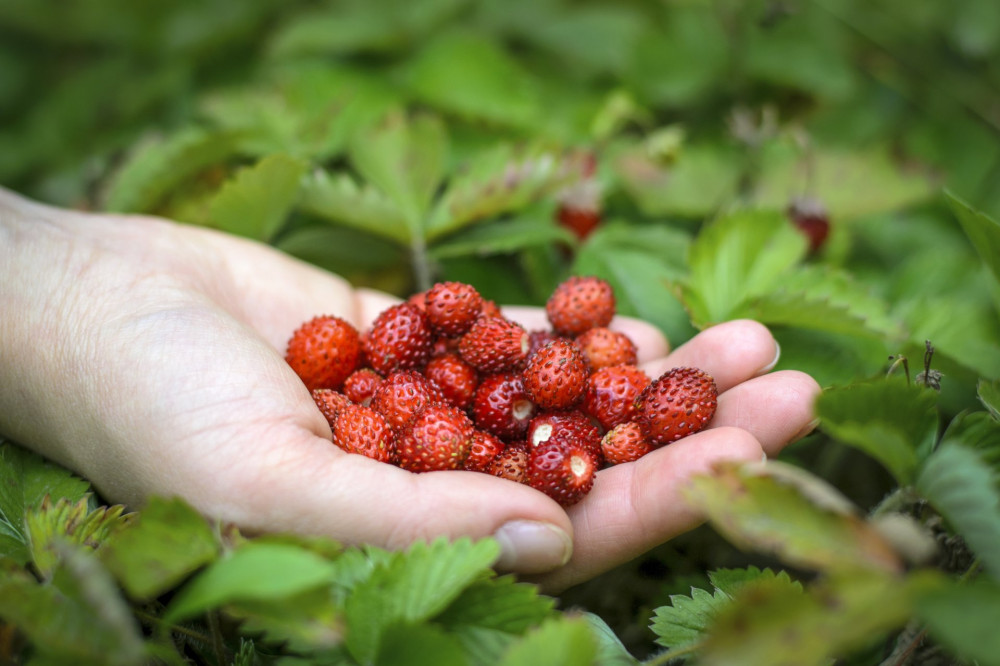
(402, 141)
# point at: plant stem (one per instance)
(897, 500)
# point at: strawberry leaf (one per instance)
(503, 237)
(610, 649)
(989, 395)
(970, 635)
(407, 644)
(499, 603)
(338, 199)
(54, 524)
(309, 620)
(982, 230)
(562, 641)
(978, 431)
(255, 202)
(956, 481)
(889, 419)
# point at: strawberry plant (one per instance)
(827, 169)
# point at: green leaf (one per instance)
(167, 542)
(610, 649)
(682, 624)
(591, 38)
(159, 165)
(419, 645)
(505, 237)
(52, 524)
(404, 158)
(255, 202)
(562, 641)
(255, 571)
(785, 511)
(963, 618)
(411, 587)
(483, 647)
(309, 620)
(978, 431)
(26, 479)
(731, 581)
(982, 230)
(335, 248)
(989, 395)
(956, 481)
(892, 421)
(338, 199)
(738, 257)
(467, 74)
(499, 603)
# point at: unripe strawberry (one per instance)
(678, 403)
(324, 351)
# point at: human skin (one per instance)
(148, 356)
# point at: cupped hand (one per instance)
(148, 357)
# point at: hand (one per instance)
(148, 357)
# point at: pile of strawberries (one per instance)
(444, 381)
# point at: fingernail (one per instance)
(774, 361)
(528, 546)
(809, 427)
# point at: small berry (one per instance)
(511, 463)
(611, 393)
(556, 375)
(624, 443)
(456, 378)
(361, 385)
(452, 307)
(493, 344)
(402, 394)
(362, 430)
(491, 309)
(564, 472)
(399, 339)
(811, 218)
(502, 406)
(580, 303)
(437, 438)
(678, 403)
(485, 447)
(324, 351)
(566, 427)
(329, 402)
(603, 347)
(581, 221)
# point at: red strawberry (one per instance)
(502, 406)
(811, 218)
(539, 338)
(603, 347)
(362, 430)
(329, 402)
(556, 375)
(456, 379)
(511, 463)
(678, 403)
(452, 307)
(624, 443)
(324, 351)
(485, 447)
(402, 394)
(438, 438)
(491, 309)
(611, 393)
(493, 344)
(566, 427)
(563, 471)
(580, 220)
(399, 339)
(361, 385)
(580, 303)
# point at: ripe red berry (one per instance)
(452, 307)
(362, 430)
(678, 403)
(811, 218)
(438, 438)
(402, 394)
(511, 463)
(556, 375)
(624, 443)
(538, 339)
(611, 393)
(603, 347)
(485, 447)
(566, 427)
(361, 385)
(456, 379)
(399, 339)
(324, 351)
(329, 402)
(502, 406)
(493, 344)
(564, 472)
(580, 220)
(580, 303)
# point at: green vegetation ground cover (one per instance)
(438, 135)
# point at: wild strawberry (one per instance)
(493, 344)
(580, 220)
(324, 351)
(361, 385)
(579, 208)
(452, 307)
(556, 375)
(611, 393)
(485, 447)
(563, 471)
(399, 339)
(502, 406)
(362, 430)
(511, 463)
(580, 303)
(676, 404)
(566, 427)
(329, 402)
(439, 437)
(624, 443)
(456, 379)
(812, 219)
(402, 394)
(603, 347)
(491, 309)
(538, 338)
